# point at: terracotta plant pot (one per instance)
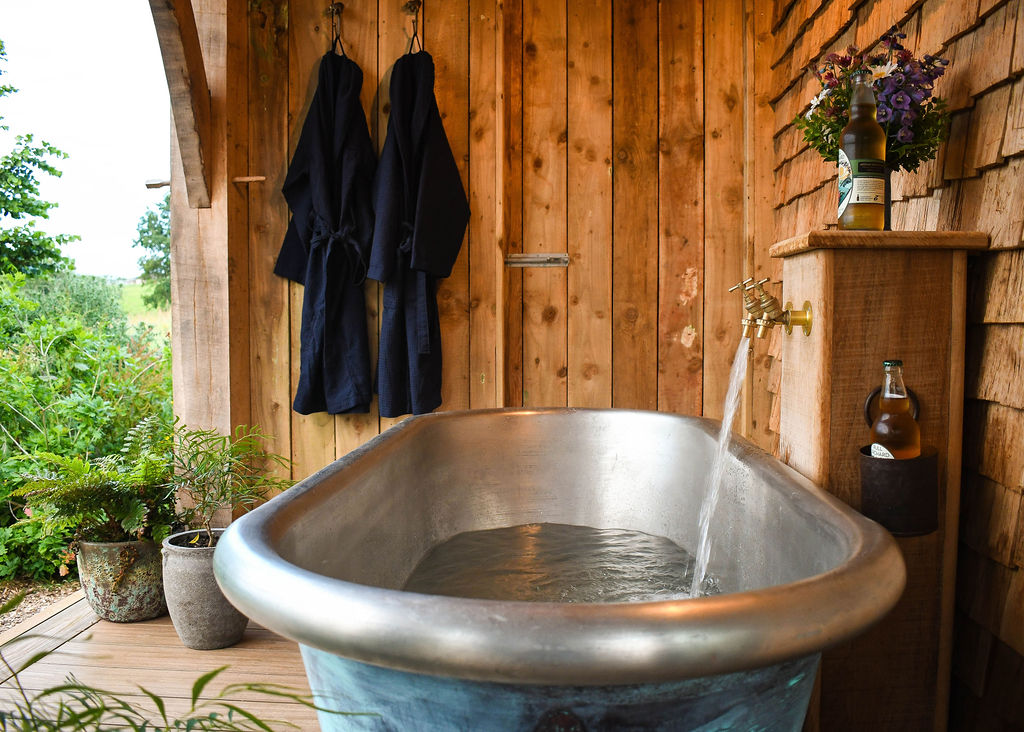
(122, 580)
(202, 616)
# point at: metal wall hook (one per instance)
(412, 7)
(335, 9)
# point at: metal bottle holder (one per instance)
(901, 495)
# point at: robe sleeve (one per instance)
(389, 211)
(442, 210)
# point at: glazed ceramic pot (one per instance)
(122, 580)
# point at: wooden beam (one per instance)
(190, 93)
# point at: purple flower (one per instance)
(907, 118)
(898, 79)
(884, 114)
(905, 134)
(918, 95)
(900, 100)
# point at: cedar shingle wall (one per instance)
(976, 183)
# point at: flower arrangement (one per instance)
(915, 122)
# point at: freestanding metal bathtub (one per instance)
(323, 564)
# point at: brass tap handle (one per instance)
(742, 284)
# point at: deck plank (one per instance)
(121, 657)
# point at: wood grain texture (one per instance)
(996, 281)
(724, 245)
(485, 257)
(545, 138)
(589, 204)
(446, 36)
(758, 222)
(269, 302)
(182, 55)
(880, 240)
(681, 202)
(899, 671)
(510, 145)
(635, 212)
(236, 137)
(122, 657)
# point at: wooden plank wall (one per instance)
(591, 127)
(976, 183)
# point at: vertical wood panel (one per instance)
(268, 148)
(544, 201)
(446, 37)
(589, 220)
(635, 210)
(237, 163)
(510, 145)
(723, 241)
(681, 207)
(484, 250)
(759, 215)
(359, 32)
(309, 33)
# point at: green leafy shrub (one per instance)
(96, 300)
(121, 497)
(74, 379)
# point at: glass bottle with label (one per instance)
(862, 162)
(895, 433)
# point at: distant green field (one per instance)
(138, 312)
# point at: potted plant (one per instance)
(211, 471)
(915, 122)
(122, 506)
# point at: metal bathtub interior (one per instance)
(324, 564)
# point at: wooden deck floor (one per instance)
(120, 657)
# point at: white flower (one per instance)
(881, 72)
(816, 101)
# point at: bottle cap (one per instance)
(892, 362)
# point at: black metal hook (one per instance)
(335, 11)
(412, 7)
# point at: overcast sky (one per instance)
(90, 81)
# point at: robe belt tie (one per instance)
(423, 287)
(345, 243)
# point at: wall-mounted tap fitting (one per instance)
(765, 312)
(750, 304)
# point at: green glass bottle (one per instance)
(862, 162)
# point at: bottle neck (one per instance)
(862, 99)
(892, 387)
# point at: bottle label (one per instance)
(861, 180)
(845, 182)
(880, 452)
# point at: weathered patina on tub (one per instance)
(324, 563)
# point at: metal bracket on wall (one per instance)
(537, 260)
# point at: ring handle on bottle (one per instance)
(915, 405)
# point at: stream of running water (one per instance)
(714, 484)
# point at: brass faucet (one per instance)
(765, 312)
(750, 304)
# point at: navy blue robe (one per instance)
(421, 216)
(328, 188)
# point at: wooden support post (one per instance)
(190, 94)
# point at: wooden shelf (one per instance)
(836, 239)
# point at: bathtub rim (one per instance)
(549, 643)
